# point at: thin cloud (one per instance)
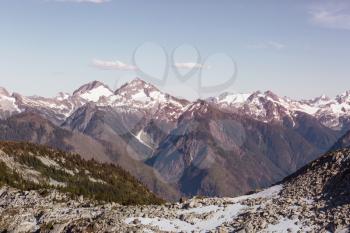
(276, 45)
(268, 45)
(190, 66)
(113, 65)
(84, 1)
(335, 15)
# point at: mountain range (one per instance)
(220, 146)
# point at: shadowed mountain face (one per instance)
(219, 154)
(30, 127)
(208, 152)
(223, 146)
(342, 143)
(114, 130)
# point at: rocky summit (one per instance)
(314, 199)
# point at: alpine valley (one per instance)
(221, 146)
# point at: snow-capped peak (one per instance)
(140, 95)
(136, 85)
(344, 97)
(62, 96)
(321, 100)
(273, 96)
(88, 87)
(4, 92)
(237, 99)
(200, 106)
(141, 92)
(232, 98)
(324, 97)
(268, 107)
(93, 91)
(134, 96)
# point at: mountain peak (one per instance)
(199, 106)
(89, 86)
(345, 97)
(271, 94)
(4, 92)
(320, 100)
(136, 85)
(346, 93)
(324, 96)
(93, 91)
(138, 80)
(62, 96)
(230, 98)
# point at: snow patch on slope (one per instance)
(95, 94)
(139, 138)
(285, 225)
(217, 214)
(49, 162)
(175, 225)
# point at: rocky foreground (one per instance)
(55, 212)
(315, 199)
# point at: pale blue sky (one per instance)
(294, 48)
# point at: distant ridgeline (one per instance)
(28, 166)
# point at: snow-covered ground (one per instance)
(218, 216)
(207, 218)
(284, 225)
